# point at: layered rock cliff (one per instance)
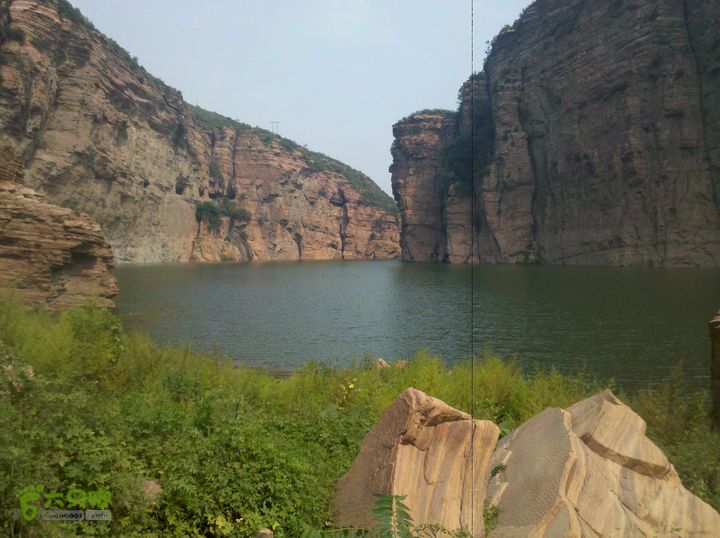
(166, 181)
(50, 255)
(594, 132)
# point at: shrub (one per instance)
(467, 158)
(10, 33)
(215, 172)
(235, 448)
(209, 213)
(370, 193)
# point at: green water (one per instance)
(630, 324)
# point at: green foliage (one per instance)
(470, 154)
(393, 520)
(371, 194)
(393, 517)
(10, 33)
(212, 120)
(497, 470)
(85, 404)
(233, 211)
(317, 162)
(211, 213)
(67, 11)
(490, 515)
(215, 172)
(431, 111)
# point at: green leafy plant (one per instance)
(497, 470)
(317, 162)
(88, 404)
(211, 213)
(490, 515)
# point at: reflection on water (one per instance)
(630, 324)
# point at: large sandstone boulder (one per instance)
(587, 471)
(427, 450)
(591, 471)
(50, 255)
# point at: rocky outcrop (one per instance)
(586, 471)
(421, 448)
(418, 185)
(602, 126)
(99, 134)
(715, 366)
(590, 471)
(50, 255)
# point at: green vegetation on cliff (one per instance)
(317, 162)
(85, 404)
(212, 213)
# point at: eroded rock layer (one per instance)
(50, 255)
(602, 126)
(100, 135)
(421, 448)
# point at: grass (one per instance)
(430, 111)
(85, 404)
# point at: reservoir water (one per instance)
(632, 325)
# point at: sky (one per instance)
(336, 74)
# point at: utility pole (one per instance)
(275, 127)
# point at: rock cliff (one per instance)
(50, 255)
(167, 181)
(585, 471)
(594, 135)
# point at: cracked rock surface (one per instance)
(586, 471)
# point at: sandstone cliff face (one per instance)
(604, 130)
(100, 135)
(50, 255)
(418, 185)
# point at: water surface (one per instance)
(630, 324)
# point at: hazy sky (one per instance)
(336, 74)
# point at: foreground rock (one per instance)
(100, 135)
(596, 127)
(51, 255)
(586, 471)
(420, 448)
(590, 471)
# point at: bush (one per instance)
(467, 156)
(212, 213)
(209, 213)
(10, 33)
(370, 193)
(85, 404)
(215, 172)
